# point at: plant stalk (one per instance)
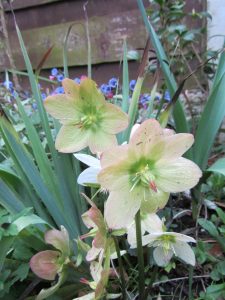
(140, 257)
(122, 279)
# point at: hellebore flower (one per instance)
(47, 264)
(100, 279)
(103, 241)
(88, 176)
(88, 120)
(142, 174)
(166, 244)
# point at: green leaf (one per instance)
(216, 290)
(218, 166)
(178, 112)
(209, 226)
(125, 89)
(209, 124)
(45, 293)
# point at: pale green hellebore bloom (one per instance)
(87, 119)
(142, 174)
(166, 244)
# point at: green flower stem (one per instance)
(123, 284)
(140, 257)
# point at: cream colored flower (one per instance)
(142, 174)
(87, 119)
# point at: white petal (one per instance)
(96, 270)
(181, 237)
(90, 296)
(131, 235)
(114, 255)
(93, 253)
(152, 223)
(176, 176)
(161, 257)
(150, 238)
(120, 209)
(88, 160)
(88, 176)
(184, 252)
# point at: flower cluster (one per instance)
(138, 176)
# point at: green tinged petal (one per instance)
(176, 176)
(121, 207)
(184, 252)
(71, 138)
(100, 141)
(161, 257)
(114, 120)
(62, 108)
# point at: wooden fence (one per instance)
(44, 23)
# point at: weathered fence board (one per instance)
(107, 34)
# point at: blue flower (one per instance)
(60, 77)
(8, 84)
(167, 96)
(132, 84)
(144, 99)
(43, 96)
(59, 90)
(113, 82)
(105, 89)
(54, 71)
(34, 106)
(77, 80)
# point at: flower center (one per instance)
(166, 241)
(144, 178)
(91, 120)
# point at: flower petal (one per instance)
(116, 154)
(152, 223)
(184, 252)
(62, 108)
(71, 89)
(59, 239)
(161, 257)
(114, 177)
(120, 209)
(88, 176)
(89, 160)
(93, 253)
(90, 94)
(153, 201)
(115, 120)
(71, 139)
(148, 133)
(177, 145)
(176, 176)
(96, 270)
(100, 141)
(44, 264)
(181, 237)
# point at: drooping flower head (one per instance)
(47, 264)
(166, 244)
(142, 174)
(87, 119)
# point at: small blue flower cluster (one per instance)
(56, 74)
(109, 88)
